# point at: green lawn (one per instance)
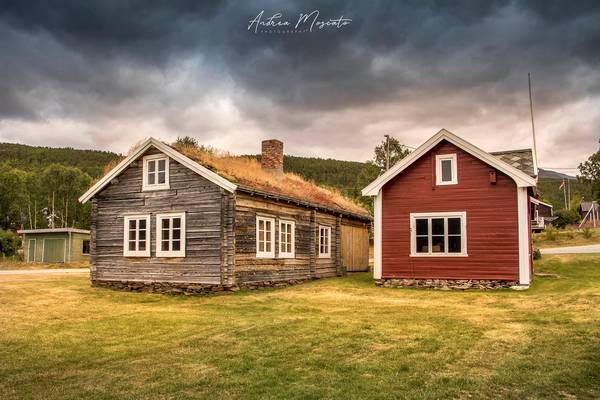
(334, 338)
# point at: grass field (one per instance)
(334, 338)
(11, 265)
(565, 237)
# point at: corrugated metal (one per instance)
(492, 225)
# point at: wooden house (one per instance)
(188, 220)
(542, 214)
(451, 215)
(58, 245)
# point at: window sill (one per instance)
(155, 188)
(265, 256)
(170, 255)
(445, 183)
(129, 255)
(287, 256)
(439, 255)
(325, 256)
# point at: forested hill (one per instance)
(32, 158)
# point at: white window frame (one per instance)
(265, 254)
(282, 253)
(438, 169)
(29, 249)
(328, 253)
(463, 233)
(182, 236)
(136, 253)
(156, 186)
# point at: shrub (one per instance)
(569, 234)
(588, 232)
(551, 233)
(537, 254)
(565, 217)
(9, 243)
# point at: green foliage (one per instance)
(587, 232)
(551, 192)
(565, 217)
(397, 152)
(13, 195)
(551, 233)
(9, 243)
(590, 173)
(537, 254)
(186, 141)
(32, 159)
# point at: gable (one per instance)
(520, 178)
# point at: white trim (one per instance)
(284, 254)
(43, 248)
(155, 186)
(328, 253)
(537, 201)
(377, 242)
(429, 215)
(520, 178)
(54, 230)
(169, 151)
(524, 256)
(136, 253)
(266, 254)
(182, 235)
(29, 249)
(438, 169)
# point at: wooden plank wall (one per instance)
(355, 246)
(207, 230)
(306, 264)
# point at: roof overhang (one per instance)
(536, 201)
(53, 230)
(520, 178)
(169, 151)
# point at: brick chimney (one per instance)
(272, 156)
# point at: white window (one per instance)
(136, 238)
(265, 237)
(445, 171)
(438, 234)
(156, 172)
(287, 239)
(170, 235)
(324, 241)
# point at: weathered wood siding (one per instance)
(355, 246)
(209, 228)
(305, 265)
(492, 224)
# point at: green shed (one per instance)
(58, 245)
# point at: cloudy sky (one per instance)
(105, 74)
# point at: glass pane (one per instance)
(176, 234)
(132, 224)
(176, 222)
(161, 165)
(151, 166)
(165, 223)
(131, 235)
(151, 179)
(268, 247)
(454, 244)
(164, 245)
(142, 246)
(261, 236)
(422, 245)
(142, 224)
(446, 170)
(437, 226)
(132, 245)
(176, 245)
(454, 226)
(261, 225)
(437, 244)
(142, 235)
(261, 246)
(161, 177)
(165, 234)
(289, 248)
(421, 224)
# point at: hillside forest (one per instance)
(34, 181)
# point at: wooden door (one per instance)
(31, 250)
(355, 248)
(54, 250)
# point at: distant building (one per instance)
(542, 214)
(59, 245)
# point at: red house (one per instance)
(451, 215)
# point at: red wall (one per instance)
(492, 223)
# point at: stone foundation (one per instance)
(187, 289)
(446, 284)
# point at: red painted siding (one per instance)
(492, 220)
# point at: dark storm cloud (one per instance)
(189, 65)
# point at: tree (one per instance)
(397, 152)
(186, 141)
(13, 196)
(590, 173)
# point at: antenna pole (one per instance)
(532, 123)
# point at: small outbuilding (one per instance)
(58, 245)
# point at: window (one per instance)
(137, 236)
(445, 171)
(324, 241)
(265, 237)
(286, 239)
(438, 234)
(85, 247)
(156, 172)
(170, 235)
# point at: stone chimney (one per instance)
(272, 156)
